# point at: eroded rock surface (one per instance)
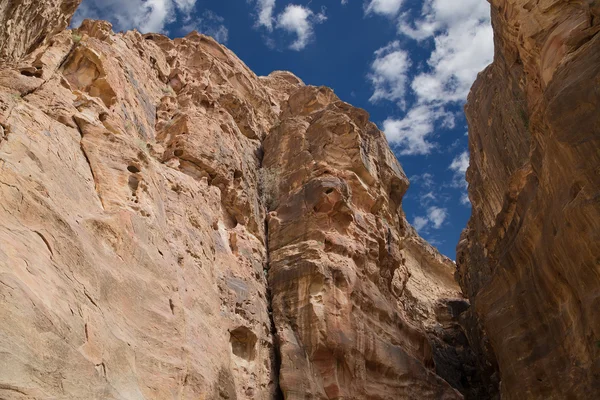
(352, 288)
(173, 226)
(529, 259)
(27, 24)
(133, 249)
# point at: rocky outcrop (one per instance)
(173, 226)
(132, 244)
(27, 24)
(353, 287)
(529, 258)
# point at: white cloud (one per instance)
(425, 180)
(427, 198)
(389, 8)
(299, 20)
(464, 199)
(420, 223)
(389, 73)
(265, 9)
(144, 15)
(210, 24)
(460, 164)
(464, 46)
(186, 6)
(434, 219)
(463, 40)
(411, 133)
(437, 216)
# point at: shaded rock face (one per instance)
(173, 226)
(529, 258)
(27, 24)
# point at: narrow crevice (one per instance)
(278, 395)
(3, 133)
(88, 162)
(45, 242)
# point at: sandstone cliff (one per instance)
(529, 259)
(173, 226)
(27, 24)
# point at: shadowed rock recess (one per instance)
(174, 227)
(530, 257)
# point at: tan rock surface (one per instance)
(352, 287)
(151, 186)
(529, 259)
(27, 24)
(132, 244)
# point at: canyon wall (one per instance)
(173, 226)
(529, 259)
(27, 24)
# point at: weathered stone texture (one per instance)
(353, 287)
(173, 226)
(529, 258)
(132, 245)
(27, 24)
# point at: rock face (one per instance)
(27, 24)
(173, 226)
(352, 285)
(529, 258)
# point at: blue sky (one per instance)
(409, 63)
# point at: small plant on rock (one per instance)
(76, 37)
(268, 187)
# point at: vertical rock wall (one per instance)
(352, 292)
(529, 258)
(27, 24)
(173, 226)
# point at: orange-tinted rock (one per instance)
(28, 24)
(173, 226)
(131, 235)
(353, 287)
(529, 258)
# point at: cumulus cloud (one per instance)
(299, 21)
(427, 198)
(425, 180)
(295, 19)
(389, 73)
(389, 8)
(186, 6)
(264, 17)
(420, 223)
(412, 133)
(460, 164)
(435, 218)
(144, 15)
(463, 39)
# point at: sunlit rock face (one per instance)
(529, 258)
(173, 226)
(354, 289)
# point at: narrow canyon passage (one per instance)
(174, 226)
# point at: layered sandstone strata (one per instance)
(28, 24)
(353, 286)
(173, 226)
(529, 259)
